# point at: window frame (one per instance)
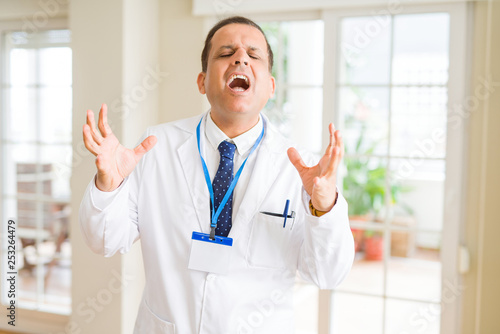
(454, 196)
(34, 320)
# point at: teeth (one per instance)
(238, 76)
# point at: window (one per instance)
(392, 95)
(385, 80)
(35, 173)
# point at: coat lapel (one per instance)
(263, 175)
(193, 173)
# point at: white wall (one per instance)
(115, 60)
(181, 42)
(97, 77)
(32, 12)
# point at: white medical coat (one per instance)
(166, 198)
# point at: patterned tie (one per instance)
(220, 184)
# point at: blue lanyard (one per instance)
(215, 215)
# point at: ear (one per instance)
(201, 82)
(273, 86)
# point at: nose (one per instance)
(241, 57)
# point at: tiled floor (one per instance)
(358, 303)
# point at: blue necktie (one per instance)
(220, 184)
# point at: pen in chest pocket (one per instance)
(285, 214)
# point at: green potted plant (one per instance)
(365, 191)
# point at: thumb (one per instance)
(296, 159)
(146, 145)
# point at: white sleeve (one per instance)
(109, 221)
(327, 253)
(102, 199)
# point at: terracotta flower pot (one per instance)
(358, 239)
(374, 248)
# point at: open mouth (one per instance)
(238, 83)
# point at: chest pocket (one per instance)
(270, 245)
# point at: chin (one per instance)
(241, 108)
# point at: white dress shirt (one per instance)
(244, 143)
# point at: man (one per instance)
(179, 186)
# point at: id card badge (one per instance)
(212, 256)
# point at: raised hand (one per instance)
(320, 181)
(114, 161)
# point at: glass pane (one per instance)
(45, 256)
(419, 118)
(55, 255)
(22, 67)
(55, 66)
(55, 114)
(421, 48)
(18, 161)
(306, 108)
(418, 168)
(20, 118)
(354, 314)
(367, 273)
(58, 158)
(274, 33)
(403, 317)
(365, 113)
(304, 46)
(305, 299)
(418, 193)
(414, 270)
(295, 44)
(364, 188)
(365, 50)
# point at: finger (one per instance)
(89, 142)
(331, 144)
(146, 145)
(103, 121)
(340, 140)
(93, 130)
(296, 159)
(337, 155)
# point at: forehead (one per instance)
(239, 35)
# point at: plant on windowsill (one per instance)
(365, 191)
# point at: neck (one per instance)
(235, 126)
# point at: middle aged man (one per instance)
(280, 222)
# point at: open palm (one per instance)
(320, 181)
(114, 161)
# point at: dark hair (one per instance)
(225, 22)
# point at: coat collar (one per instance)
(263, 174)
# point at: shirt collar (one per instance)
(243, 142)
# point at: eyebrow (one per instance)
(232, 46)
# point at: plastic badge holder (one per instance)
(213, 256)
